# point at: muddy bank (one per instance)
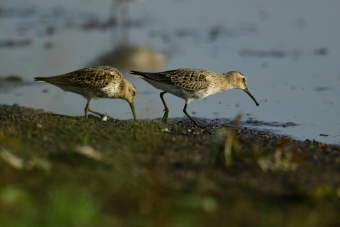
(164, 175)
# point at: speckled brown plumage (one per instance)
(188, 79)
(93, 83)
(93, 78)
(193, 84)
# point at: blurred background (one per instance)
(289, 50)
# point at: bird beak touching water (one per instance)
(133, 111)
(251, 96)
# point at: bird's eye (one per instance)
(133, 93)
(244, 80)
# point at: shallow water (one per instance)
(288, 50)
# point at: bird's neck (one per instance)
(229, 81)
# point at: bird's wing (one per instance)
(188, 79)
(90, 78)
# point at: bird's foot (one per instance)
(165, 117)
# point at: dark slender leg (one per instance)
(185, 111)
(87, 108)
(166, 110)
(92, 111)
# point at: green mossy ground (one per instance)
(149, 174)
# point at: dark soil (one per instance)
(150, 174)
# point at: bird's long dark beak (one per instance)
(251, 96)
(133, 111)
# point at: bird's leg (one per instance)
(185, 111)
(92, 111)
(87, 108)
(166, 110)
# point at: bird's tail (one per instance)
(40, 79)
(137, 74)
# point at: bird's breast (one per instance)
(110, 91)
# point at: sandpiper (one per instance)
(94, 83)
(193, 84)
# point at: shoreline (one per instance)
(156, 167)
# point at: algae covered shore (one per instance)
(71, 171)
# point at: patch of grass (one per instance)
(137, 175)
(69, 206)
(62, 206)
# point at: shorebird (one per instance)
(193, 84)
(94, 83)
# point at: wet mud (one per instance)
(217, 172)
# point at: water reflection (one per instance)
(123, 55)
(10, 82)
(120, 15)
(126, 57)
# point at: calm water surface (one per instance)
(289, 50)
